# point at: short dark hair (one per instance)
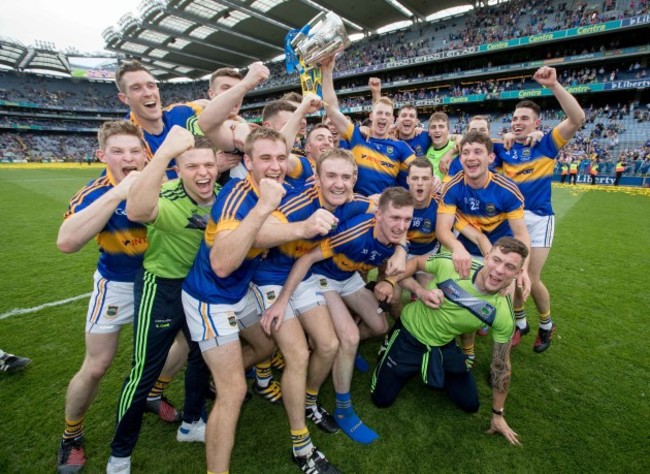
(510, 244)
(261, 133)
(397, 196)
(477, 137)
(421, 162)
(126, 67)
(407, 106)
(529, 104)
(274, 107)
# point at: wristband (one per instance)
(497, 412)
(405, 247)
(390, 282)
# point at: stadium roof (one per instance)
(192, 38)
(16, 55)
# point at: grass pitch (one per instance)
(582, 406)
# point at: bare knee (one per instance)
(349, 341)
(327, 347)
(296, 358)
(95, 367)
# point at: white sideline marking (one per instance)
(16, 311)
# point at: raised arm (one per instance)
(500, 377)
(309, 105)
(329, 97)
(79, 228)
(142, 203)
(214, 122)
(230, 247)
(547, 77)
(374, 83)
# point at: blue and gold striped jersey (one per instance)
(487, 209)
(304, 170)
(420, 143)
(382, 162)
(122, 243)
(275, 267)
(232, 205)
(532, 170)
(183, 115)
(353, 248)
(422, 231)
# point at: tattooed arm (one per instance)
(500, 373)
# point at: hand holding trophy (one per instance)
(323, 37)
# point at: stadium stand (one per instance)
(41, 116)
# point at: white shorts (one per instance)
(213, 325)
(540, 228)
(343, 288)
(111, 305)
(308, 295)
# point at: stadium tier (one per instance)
(477, 62)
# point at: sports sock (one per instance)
(73, 429)
(545, 320)
(158, 388)
(301, 441)
(468, 349)
(263, 374)
(350, 423)
(361, 364)
(520, 317)
(310, 399)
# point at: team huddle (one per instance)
(232, 247)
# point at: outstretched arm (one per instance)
(547, 77)
(374, 83)
(310, 104)
(329, 97)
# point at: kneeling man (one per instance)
(423, 341)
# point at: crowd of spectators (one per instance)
(38, 147)
(505, 21)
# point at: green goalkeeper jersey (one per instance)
(464, 310)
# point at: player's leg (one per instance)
(373, 319)
(176, 359)
(259, 348)
(227, 369)
(347, 332)
(82, 390)
(406, 361)
(541, 297)
(110, 307)
(317, 323)
(156, 300)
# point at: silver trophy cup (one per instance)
(326, 37)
